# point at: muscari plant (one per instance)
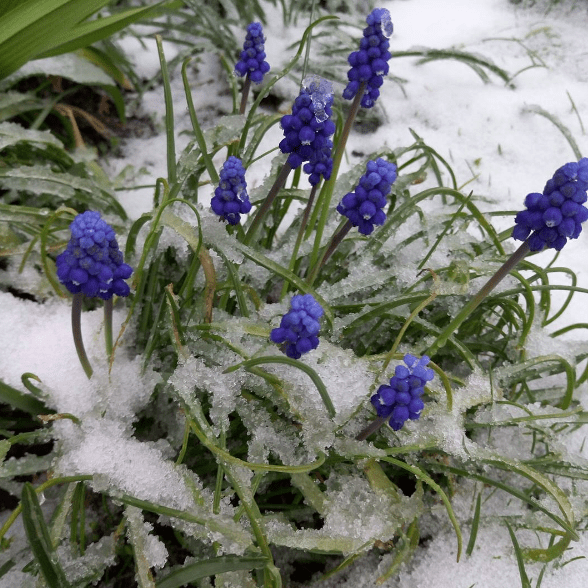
(275, 347)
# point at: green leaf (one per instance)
(550, 553)
(421, 475)
(12, 133)
(89, 32)
(211, 567)
(4, 447)
(35, 26)
(322, 390)
(519, 555)
(39, 539)
(26, 402)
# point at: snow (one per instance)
(493, 141)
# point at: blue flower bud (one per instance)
(299, 327)
(252, 59)
(369, 64)
(308, 130)
(92, 262)
(364, 206)
(556, 215)
(230, 199)
(401, 400)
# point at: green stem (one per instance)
(108, 326)
(303, 224)
(327, 192)
(264, 208)
(503, 271)
(76, 327)
(334, 243)
(245, 95)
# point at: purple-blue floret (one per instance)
(556, 215)
(308, 130)
(299, 327)
(92, 262)
(363, 207)
(252, 59)
(230, 198)
(369, 65)
(401, 399)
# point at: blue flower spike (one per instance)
(364, 206)
(556, 215)
(299, 327)
(252, 59)
(308, 130)
(401, 399)
(92, 263)
(369, 65)
(230, 198)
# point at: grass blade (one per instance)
(210, 567)
(39, 539)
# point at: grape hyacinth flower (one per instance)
(299, 327)
(556, 215)
(307, 137)
(401, 399)
(92, 263)
(252, 59)
(550, 220)
(230, 198)
(363, 207)
(369, 65)
(308, 130)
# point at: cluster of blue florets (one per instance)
(308, 129)
(369, 65)
(298, 330)
(556, 215)
(364, 206)
(93, 263)
(252, 59)
(230, 199)
(401, 399)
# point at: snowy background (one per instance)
(493, 143)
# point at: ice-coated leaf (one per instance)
(70, 66)
(227, 129)
(12, 133)
(39, 179)
(149, 551)
(27, 465)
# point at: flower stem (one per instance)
(264, 208)
(333, 244)
(327, 191)
(299, 238)
(371, 428)
(245, 95)
(503, 271)
(108, 326)
(76, 327)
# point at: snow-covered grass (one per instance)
(214, 453)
